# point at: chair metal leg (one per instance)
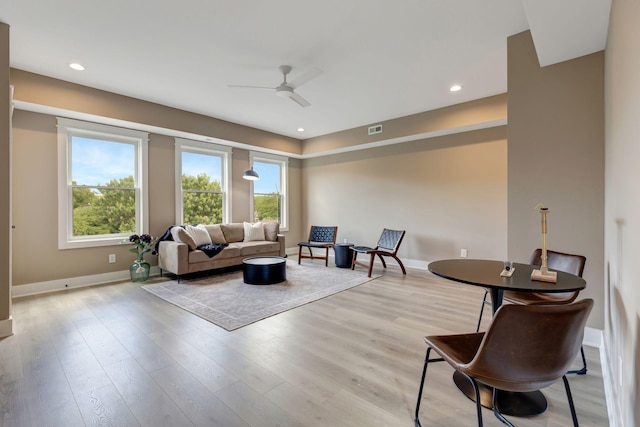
(582, 370)
(496, 411)
(424, 374)
(484, 301)
(476, 390)
(570, 399)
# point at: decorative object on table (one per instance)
(508, 269)
(227, 301)
(544, 275)
(139, 269)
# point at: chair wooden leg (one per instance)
(299, 254)
(326, 258)
(373, 257)
(400, 264)
(574, 416)
(384, 264)
(353, 260)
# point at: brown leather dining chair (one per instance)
(546, 343)
(320, 237)
(569, 263)
(388, 245)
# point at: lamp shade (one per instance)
(251, 175)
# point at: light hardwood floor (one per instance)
(117, 355)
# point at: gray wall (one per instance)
(556, 157)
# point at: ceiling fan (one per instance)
(287, 89)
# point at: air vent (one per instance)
(375, 129)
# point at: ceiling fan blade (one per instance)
(250, 87)
(299, 100)
(302, 79)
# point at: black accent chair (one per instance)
(320, 237)
(526, 348)
(559, 261)
(388, 245)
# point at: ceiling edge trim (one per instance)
(55, 111)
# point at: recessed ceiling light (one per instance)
(455, 88)
(76, 66)
(300, 129)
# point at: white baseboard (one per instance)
(6, 327)
(73, 282)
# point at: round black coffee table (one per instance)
(264, 270)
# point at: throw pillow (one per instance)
(271, 230)
(180, 235)
(199, 234)
(253, 232)
(215, 232)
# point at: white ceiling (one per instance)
(380, 60)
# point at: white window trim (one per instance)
(198, 147)
(284, 179)
(68, 128)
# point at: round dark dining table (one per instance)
(486, 274)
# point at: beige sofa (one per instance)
(181, 257)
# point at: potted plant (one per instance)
(142, 244)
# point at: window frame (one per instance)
(69, 128)
(209, 149)
(283, 162)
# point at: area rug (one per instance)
(224, 299)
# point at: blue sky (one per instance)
(97, 162)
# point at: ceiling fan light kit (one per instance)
(287, 89)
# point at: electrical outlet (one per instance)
(112, 258)
(463, 253)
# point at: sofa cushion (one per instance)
(253, 232)
(215, 232)
(233, 232)
(257, 248)
(180, 235)
(199, 234)
(271, 230)
(230, 251)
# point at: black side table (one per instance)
(343, 254)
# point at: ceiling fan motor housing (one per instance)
(284, 91)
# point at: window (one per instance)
(202, 183)
(102, 195)
(269, 201)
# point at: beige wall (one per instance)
(5, 185)
(448, 192)
(35, 177)
(622, 211)
(556, 148)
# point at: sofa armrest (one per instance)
(283, 248)
(173, 257)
